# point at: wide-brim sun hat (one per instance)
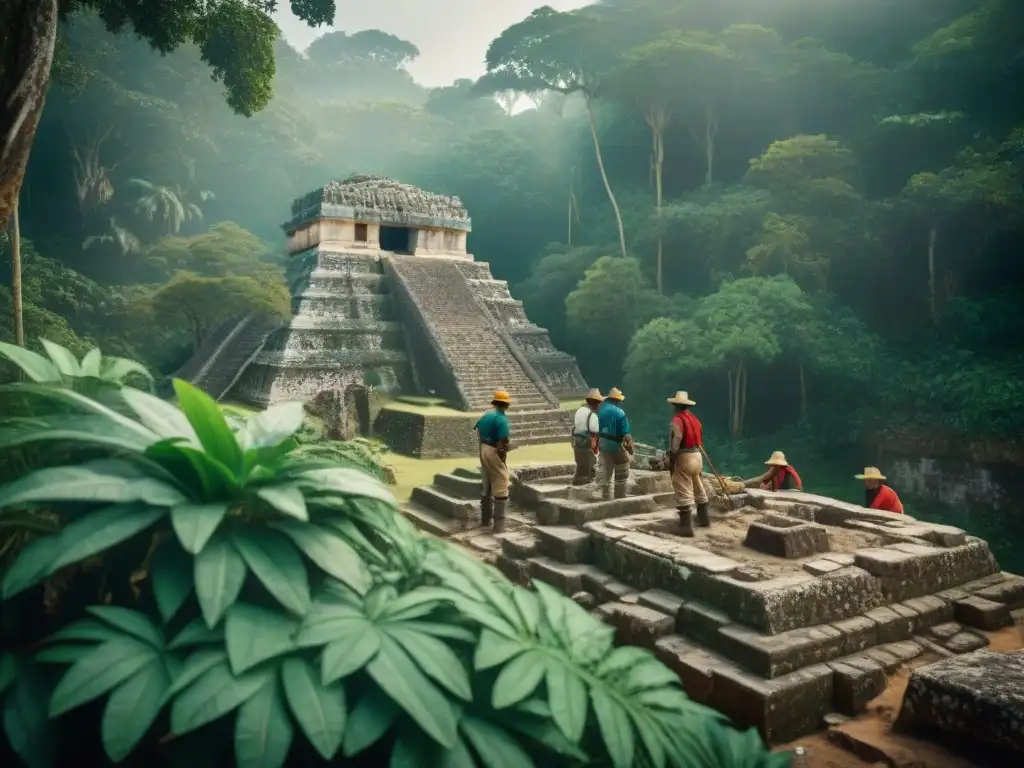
(681, 398)
(501, 396)
(871, 473)
(615, 394)
(595, 395)
(777, 459)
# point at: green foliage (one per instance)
(63, 368)
(284, 594)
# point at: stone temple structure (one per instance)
(385, 294)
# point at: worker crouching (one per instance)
(616, 445)
(494, 432)
(779, 477)
(878, 495)
(686, 464)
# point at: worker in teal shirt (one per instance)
(494, 431)
(616, 445)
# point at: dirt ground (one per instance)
(869, 740)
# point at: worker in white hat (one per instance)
(779, 477)
(585, 431)
(686, 464)
(878, 495)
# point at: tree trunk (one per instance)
(743, 399)
(933, 288)
(604, 175)
(710, 133)
(569, 206)
(657, 128)
(803, 394)
(732, 398)
(19, 315)
(738, 379)
(30, 28)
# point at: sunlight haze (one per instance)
(452, 35)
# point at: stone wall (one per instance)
(427, 437)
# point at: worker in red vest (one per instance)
(779, 477)
(879, 495)
(686, 464)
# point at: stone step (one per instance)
(430, 521)
(576, 513)
(520, 545)
(567, 545)
(462, 487)
(445, 504)
(472, 473)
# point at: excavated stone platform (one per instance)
(803, 618)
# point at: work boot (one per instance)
(499, 515)
(606, 493)
(686, 521)
(486, 507)
(703, 520)
(620, 490)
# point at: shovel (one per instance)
(721, 481)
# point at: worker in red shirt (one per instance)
(879, 495)
(779, 477)
(686, 464)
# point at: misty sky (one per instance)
(452, 35)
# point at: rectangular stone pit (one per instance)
(786, 537)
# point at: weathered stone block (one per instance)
(515, 570)
(786, 537)
(925, 570)
(856, 685)
(889, 661)
(931, 610)
(566, 544)
(694, 666)
(909, 616)
(976, 699)
(1010, 593)
(521, 546)
(782, 709)
(645, 568)
(791, 602)
(701, 622)
(904, 651)
(636, 625)
(965, 642)
(777, 655)
(945, 630)
(585, 600)
(891, 625)
(663, 601)
(821, 567)
(567, 578)
(606, 587)
(839, 557)
(859, 632)
(981, 613)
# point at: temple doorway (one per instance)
(397, 239)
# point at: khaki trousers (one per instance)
(614, 464)
(586, 461)
(687, 483)
(495, 473)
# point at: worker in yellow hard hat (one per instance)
(616, 445)
(495, 432)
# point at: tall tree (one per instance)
(564, 52)
(235, 38)
(19, 315)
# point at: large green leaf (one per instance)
(435, 658)
(273, 559)
(397, 675)
(344, 481)
(26, 721)
(90, 365)
(101, 530)
(272, 426)
(494, 746)
(62, 358)
(196, 665)
(31, 566)
(132, 708)
(616, 728)
(117, 369)
(320, 710)
(171, 577)
(567, 695)
(350, 653)
(494, 649)
(329, 552)
(214, 694)
(326, 623)
(195, 523)
(84, 403)
(372, 717)
(263, 730)
(160, 416)
(83, 485)
(87, 430)
(85, 629)
(286, 499)
(219, 573)
(34, 365)
(98, 671)
(208, 422)
(197, 633)
(518, 679)
(131, 622)
(253, 634)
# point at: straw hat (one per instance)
(778, 459)
(615, 394)
(681, 398)
(501, 396)
(871, 473)
(595, 395)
